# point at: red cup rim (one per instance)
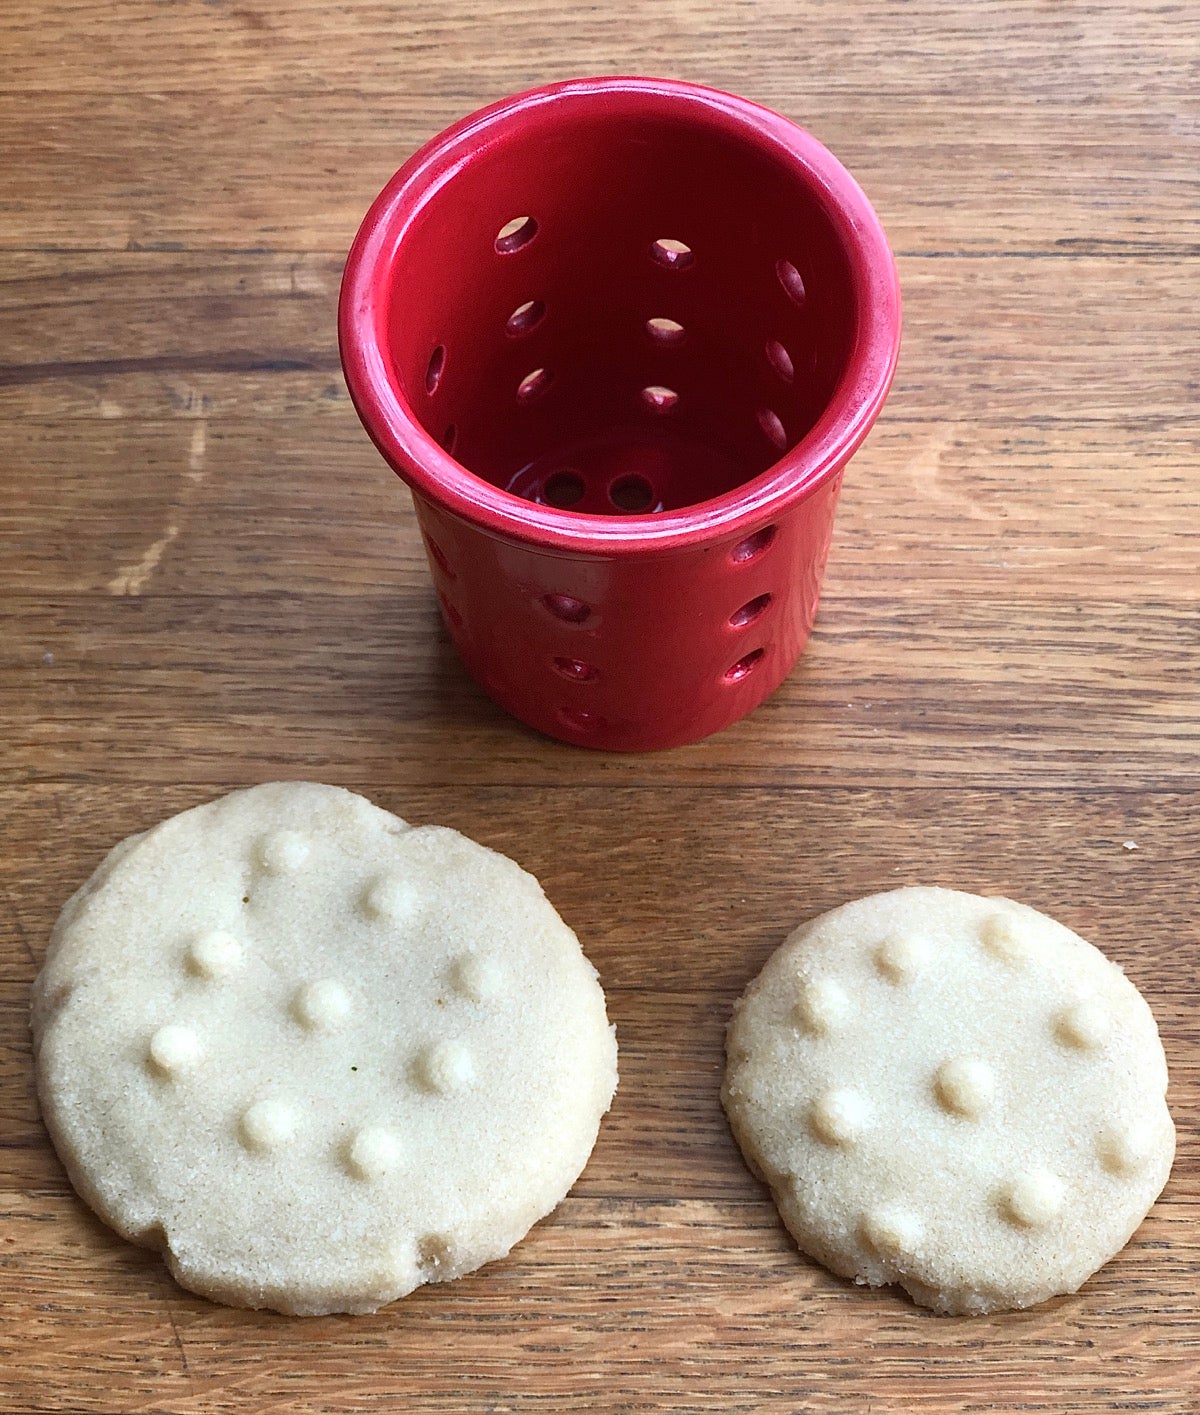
(431, 471)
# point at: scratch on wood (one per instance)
(132, 579)
(196, 452)
(187, 1370)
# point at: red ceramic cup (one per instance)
(620, 337)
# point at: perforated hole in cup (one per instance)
(664, 331)
(515, 234)
(563, 489)
(671, 254)
(750, 611)
(744, 666)
(659, 399)
(575, 669)
(450, 612)
(438, 556)
(449, 438)
(533, 385)
(433, 369)
(792, 282)
(773, 429)
(753, 546)
(649, 277)
(780, 360)
(632, 493)
(525, 318)
(580, 719)
(567, 608)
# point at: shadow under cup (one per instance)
(620, 337)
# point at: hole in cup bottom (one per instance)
(744, 666)
(632, 494)
(640, 467)
(563, 489)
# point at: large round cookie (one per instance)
(951, 1093)
(315, 1055)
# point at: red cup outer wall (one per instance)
(624, 632)
(631, 654)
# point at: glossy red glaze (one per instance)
(620, 337)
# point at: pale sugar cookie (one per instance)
(951, 1093)
(315, 1055)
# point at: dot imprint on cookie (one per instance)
(445, 1067)
(1001, 935)
(965, 1086)
(821, 1007)
(1124, 1150)
(173, 1050)
(838, 1117)
(891, 1232)
(901, 957)
(321, 1005)
(1033, 1198)
(476, 977)
(283, 851)
(267, 1125)
(1084, 1025)
(214, 954)
(373, 1152)
(391, 897)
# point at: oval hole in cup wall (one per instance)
(525, 318)
(671, 254)
(516, 234)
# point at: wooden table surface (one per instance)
(210, 579)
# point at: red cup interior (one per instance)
(619, 308)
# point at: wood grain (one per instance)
(208, 578)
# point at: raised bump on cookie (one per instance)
(391, 898)
(283, 851)
(268, 1125)
(322, 1005)
(839, 1117)
(892, 1232)
(1033, 1198)
(965, 1085)
(476, 976)
(374, 1151)
(822, 1006)
(901, 957)
(1002, 936)
(1084, 1025)
(446, 1067)
(214, 954)
(174, 1049)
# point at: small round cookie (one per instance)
(315, 1055)
(951, 1093)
